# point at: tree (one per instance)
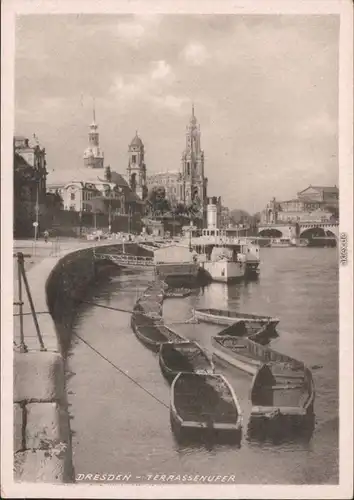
(157, 200)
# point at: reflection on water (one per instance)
(119, 427)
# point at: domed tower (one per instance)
(93, 156)
(136, 171)
(193, 164)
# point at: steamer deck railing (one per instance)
(126, 260)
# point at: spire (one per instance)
(193, 120)
(94, 111)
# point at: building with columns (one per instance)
(95, 188)
(315, 203)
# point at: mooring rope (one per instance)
(128, 311)
(121, 371)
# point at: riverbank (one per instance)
(57, 280)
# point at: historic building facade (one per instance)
(30, 176)
(97, 189)
(315, 203)
(188, 185)
(171, 181)
(136, 170)
(194, 184)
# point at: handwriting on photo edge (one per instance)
(343, 249)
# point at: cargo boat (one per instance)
(283, 391)
(228, 317)
(183, 357)
(245, 353)
(151, 333)
(178, 292)
(204, 406)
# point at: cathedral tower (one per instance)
(136, 171)
(93, 156)
(194, 182)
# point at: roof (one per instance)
(325, 189)
(118, 179)
(164, 174)
(136, 141)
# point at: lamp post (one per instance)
(190, 235)
(35, 223)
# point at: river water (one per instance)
(118, 428)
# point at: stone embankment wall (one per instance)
(42, 439)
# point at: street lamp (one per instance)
(36, 223)
(190, 235)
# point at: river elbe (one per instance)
(119, 429)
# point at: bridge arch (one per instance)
(319, 236)
(270, 233)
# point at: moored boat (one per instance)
(228, 317)
(241, 328)
(151, 333)
(183, 357)
(204, 405)
(283, 391)
(244, 353)
(178, 292)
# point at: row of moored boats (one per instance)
(202, 401)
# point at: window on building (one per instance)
(72, 208)
(133, 158)
(188, 168)
(72, 196)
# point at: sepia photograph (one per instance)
(177, 188)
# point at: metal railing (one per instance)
(126, 259)
(22, 279)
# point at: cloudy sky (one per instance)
(265, 90)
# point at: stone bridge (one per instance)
(297, 230)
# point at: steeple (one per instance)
(136, 170)
(93, 156)
(193, 120)
(193, 163)
(94, 111)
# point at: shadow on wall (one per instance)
(68, 282)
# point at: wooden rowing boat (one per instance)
(151, 333)
(149, 307)
(228, 317)
(245, 329)
(183, 357)
(204, 405)
(244, 353)
(283, 389)
(178, 292)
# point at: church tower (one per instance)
(194, 182)
(136, 171)
(93, 156)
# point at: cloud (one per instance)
(137, 29)
(144, 86)
(161, 71)
(170, 102)
(195, 54)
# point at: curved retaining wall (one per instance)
(42, 438)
